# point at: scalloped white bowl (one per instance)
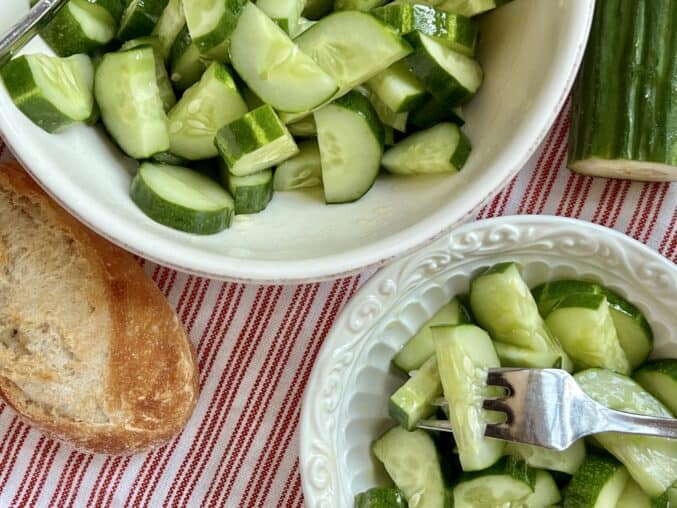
(530, 52)
(345, 404)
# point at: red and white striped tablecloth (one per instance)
(256, 347)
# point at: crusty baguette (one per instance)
(90, 350)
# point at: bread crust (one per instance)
(152, 384)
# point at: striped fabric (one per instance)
(256, 347)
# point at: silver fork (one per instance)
(26, 28)
(546, 407)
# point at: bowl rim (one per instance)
(380, 293)
(169, 253)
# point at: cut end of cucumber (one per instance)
(643, 171)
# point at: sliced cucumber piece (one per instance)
(632, 328)
(464, 354)
(286, 13)
(464, 7)
(185, 61)
(211, 22)
(380, 497)
(546, 492)
(598, 483)
(315, 9)
(502, 304)
(114, 7)
(351, 145)
(582, 323)
(398, 88)
(304, 128)
(454, 31)
(126, 90)
(411, 460)
(256, 141)
(413, 400)
(433, 112)
(421, 346)
(140, 18)
(353, 46)
(633, 497)
(164, 84)
(651, 461)
(659, 378)
(509, 482)
(440, 149)
(169, 158)
(251, 193)
(302, 171)
(53, 92)
(204, 108)
(451, 77)
(182, 199)
(302, 25)
(567, 461)
(273, 67)
(169, 27)
(387, 116)
(357, 5)
(516, 356)
(79, 27)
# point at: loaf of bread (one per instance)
(90, 350)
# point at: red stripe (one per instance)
(291, 407)
(9, 460)
(661, 190)
(81, 474)
(207, 353)
(649, 194)
(116, 481)
(553, 172)
(231, 379)
(44, 475)
(105, 468)
(69, 478)
(7, 444)
(30, 476)
(669, 244)
(638, 206)
(291, 485)
(275, 362)
(62, 477)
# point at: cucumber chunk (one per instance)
(398, 88)
(256, 141)
(567, 461)
(185, 61)
(509, 482)
(315, 9)
(164, 84)
(273, 67)
(211, 22)
(286, 13)
(380, 497)
(204, 108)
(421, 346)
(451, 77)
(502, 304)
(515, 356)
(582, 323)
(632, 328)
(140, 18)
(169, 26)
(126, 90)
(633, 497)
(546, 492)
(304, 128)
(53, 92)
(79, 27)
(412, 402)
(464, 354)
(351, 146)
(251, 193)
(433, 112)
(352, 46)
(357, 5)
(440, 149)
(411, 460)
(651, 461)
(454, 31)
(182, 199)
(598, 483)
(301, 171)
(387, 116)
(464, 7)
(659, 378)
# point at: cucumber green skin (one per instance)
(221, 33)
(184, 61)
(412, 402)
(586, 484)
(141, 20)
(169, 158)
(176, 216)
(25, 94)
(634, 115)
(462, 152)
(64, 39)
(664, 372)
(458, 32)
(249, 198)
(431, 113)
(357, 5)
(163, 81)
(315, 9)
(380, 497)
(358, 103)
(114, 7)
(509, 465)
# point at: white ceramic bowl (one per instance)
(530, 51)
(345, 404)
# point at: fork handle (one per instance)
(27, 28)
(630, 423)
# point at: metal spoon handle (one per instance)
(27, 28)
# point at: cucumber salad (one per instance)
(224, 102)
(576, 325)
